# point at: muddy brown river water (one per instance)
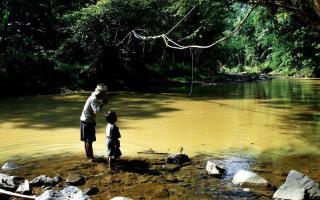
(278, 117)
(273, 124)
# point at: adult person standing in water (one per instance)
(92, 106)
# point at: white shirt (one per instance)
(108, 130)
(91, 107)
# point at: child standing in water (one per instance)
(112, 136)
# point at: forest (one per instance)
(47, 45)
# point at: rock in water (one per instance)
(171, 167)
(120, 198)
(214, 169)
(24, 188)
(246, 178)
(8, 182)
(68, 193)
(171, 178)
(80, 196)
(177, 159)
(43, 180)
(9, 166)
(91, 191)
(297, 187)
(51, 195)
(75, 179)
(72, 192)
(57, 179)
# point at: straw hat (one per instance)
(101, 88)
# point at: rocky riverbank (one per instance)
(153, 178)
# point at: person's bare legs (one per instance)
(86, 147)
(89, 150)
(110, 162)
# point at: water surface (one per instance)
(278, 118)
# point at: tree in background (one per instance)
(272, 41)
(48, 44)
(29, 37)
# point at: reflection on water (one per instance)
(275, 117)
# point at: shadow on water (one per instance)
(301, 100)
(49, 112)
(139, 166)
(297, 102)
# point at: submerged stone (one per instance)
(9, 166)
(297, 187)
(171, 167)
(161, 192)
(91, 191)
(246, 178)
(75, 179)
(171, 178)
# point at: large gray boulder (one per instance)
(8, 182)
(297, 187)
(249, 179)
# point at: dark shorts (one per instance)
(113, 148)
(87, 131)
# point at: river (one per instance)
(275, 118)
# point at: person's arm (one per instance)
(96, 106)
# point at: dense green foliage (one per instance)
(273, 42)
(49, 44)
(29, 36)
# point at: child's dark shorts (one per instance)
(113, 148)
(87, 131)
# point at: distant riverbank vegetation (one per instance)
(49, 44)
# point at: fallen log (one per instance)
(151, 151)
(16, 194)
(148, 152)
